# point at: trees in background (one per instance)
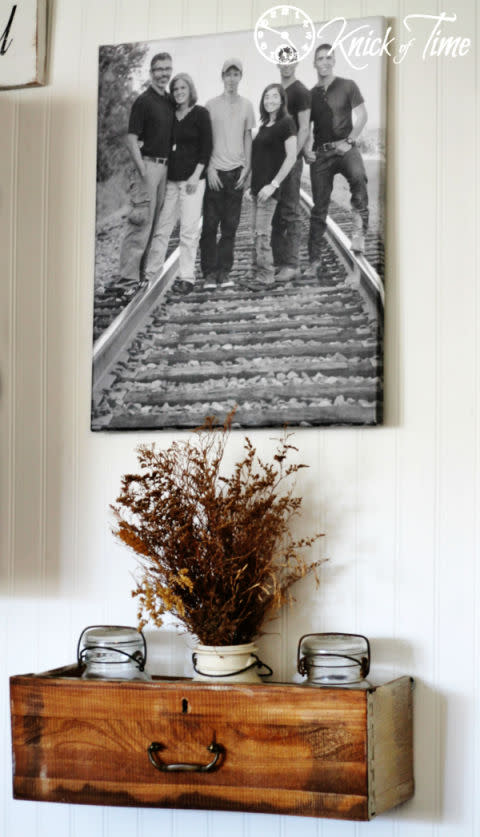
(122, 70)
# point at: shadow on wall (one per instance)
(430, 728)
(392, 406)
(50, 294)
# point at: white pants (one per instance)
(188, 208)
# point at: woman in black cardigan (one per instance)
(191, 150)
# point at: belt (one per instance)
(328, 146)
(155, 159)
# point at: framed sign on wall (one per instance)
(23, 43)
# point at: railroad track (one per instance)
(305, 353)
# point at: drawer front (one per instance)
(284, 749)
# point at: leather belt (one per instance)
(155, 159)
(330, 146)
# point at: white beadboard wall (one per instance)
(399, 504)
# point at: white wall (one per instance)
(398, 503)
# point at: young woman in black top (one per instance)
(274, 152)
(191, 149)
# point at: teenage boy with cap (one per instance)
(232, 123)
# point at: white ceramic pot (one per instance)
(226, 663)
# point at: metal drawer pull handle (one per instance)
(155, 746)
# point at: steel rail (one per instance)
(108, 347)
(353, 262)
(123, 328)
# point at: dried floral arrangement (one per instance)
(213, 550)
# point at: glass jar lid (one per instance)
(351, 644)
(111, 634)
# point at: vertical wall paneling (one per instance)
(476, 384)
(62, 244)
(416, 295)
(306, 613)
(149, 824)
(92, 566)
(269, 826)
(378, 458)
(440, 279)
(457, 423)
(8, 147)
(200, 19)
(124, 822)
(293, 826)
(398, 504)
(28, 339)
(128, 27)
(238, 16)
(164, 20)
(222, 822)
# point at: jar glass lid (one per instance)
(332, 643)
(111, 634)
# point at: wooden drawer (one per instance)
(287, 749)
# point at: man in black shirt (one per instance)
(338, 116)
(286, 222)
(149, 142)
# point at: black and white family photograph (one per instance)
(239, 251)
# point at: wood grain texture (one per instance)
(390, 741)
(285, 748)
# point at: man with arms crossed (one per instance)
(338, 117)
(149, 142)
(232, 122)
(286, 222)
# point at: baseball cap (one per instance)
(232, 62)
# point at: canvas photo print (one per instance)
(239, 239)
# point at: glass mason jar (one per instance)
(112, 652)
(333, 659)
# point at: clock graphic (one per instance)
(284, 34)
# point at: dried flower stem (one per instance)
(215, 551)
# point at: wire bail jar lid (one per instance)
(112, 651)
(333, 659)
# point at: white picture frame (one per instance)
(23, 43)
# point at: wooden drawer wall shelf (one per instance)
(283, 749)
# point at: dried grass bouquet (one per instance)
(215, 551)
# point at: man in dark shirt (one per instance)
(338, 116)
(149, 142)
(286, 222)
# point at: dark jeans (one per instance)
(220, 207)
(322, 172)
(286, 223)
